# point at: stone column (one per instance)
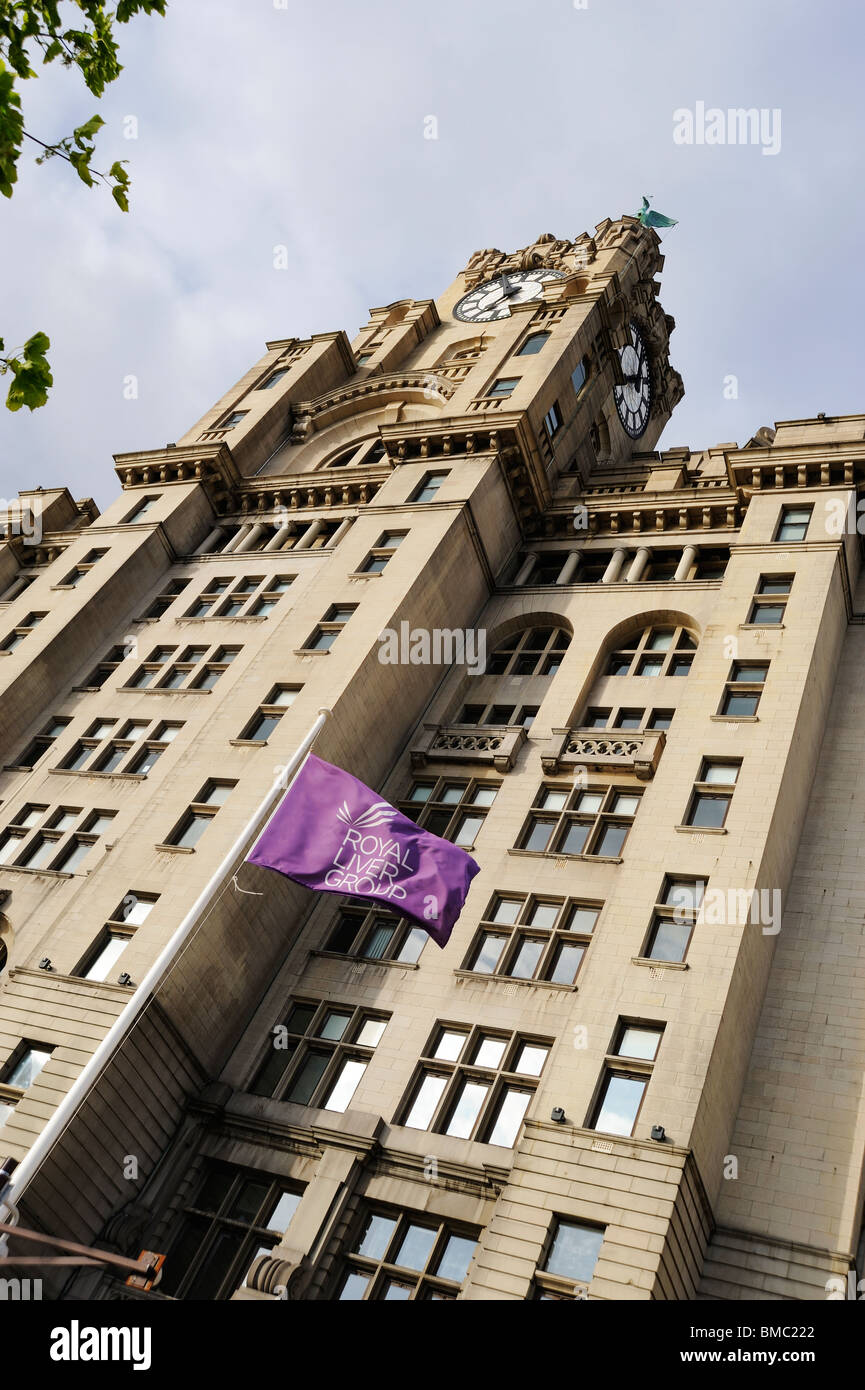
(688, 556)
(569, 568)
(614, 568)
(638, 564)
(525, 570)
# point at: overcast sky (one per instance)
(303, 126)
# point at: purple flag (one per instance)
(332, 833)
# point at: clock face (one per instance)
(493, 299)
(634, 397)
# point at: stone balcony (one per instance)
(613, 751)
(497, 744)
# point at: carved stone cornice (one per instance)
(653, 518)
(315, 414)
(211, 464)
(829, 463)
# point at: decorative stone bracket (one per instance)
(464, 743)
(609, 752)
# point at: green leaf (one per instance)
(85, 132)
(31, 375)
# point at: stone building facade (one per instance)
(629, 681)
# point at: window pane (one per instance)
(611, 840)
(639, 1042)
(669, 940)
(779, 585)
(409, 952)
(525, 962)
(347, 1082)
(544, 914)
(574, 1251)
(490, 1052)
(415, 1247)
(625, 804)
(192, 831)
(506, 911)
(217, 795)
(618, 1112)
(575, 838)
(767, 614)
(28, 1068)
(449, 1045)
(489, 953)
(376, 1236)
(107, 956)
(456, 1258)
(465, 1113)
(395, 1292)
(709, 811)
(538, 836)
(660, 640)
(684, 895)
(582, 919)
(217, 1262)
(248, 1201)
(300, 1018)
(553, 800)
(379, 939)
(566, 963)
(371, 1031)
(744, 704)
(530, 1061)
(483, 796)
(307, 1078)
(354, 1287)
(590, 802)
(423, 1107)
(509, 1118)
(333, 1025)
(650, 666)
(467, 830)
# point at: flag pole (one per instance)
(23, 1172)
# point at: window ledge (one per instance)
(700, 829)
(215, 618)
(660, 964)
(62, 588)
(762, 627)
(157, 690)
(571, 858)
(734, 718)
(20, 767)
(176, 849)
(361, 574)
(248, 742)
(47, 873)
(87, 689)
(365, 960)
(310, 651)
(82, 772)
(476, 977)
(148, 620)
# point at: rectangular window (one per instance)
(674, 919)
(208, 597)
(401, 1256)
(532, 344)
(83, 568)
(579, 375)
(382, 552)
(323, 637)
(712, 794)
(572, 1253)
(594, 820)
(476, 1084)
(623, 1087)
(140, 510)
(160, 605)
(266, 719)
(273, 380)
(233, 419)
(428, 487)
(743, 689)
(40, 745)
(450, 808)
(319, 1054)
(376, 935)
(533, 939)
(236, 1215)
(195, 821)
(770, 601)
(793, 524)
(25, 1064)
(553, 420)
(17, 635)
(106, 668)
(504, 386)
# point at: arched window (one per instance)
(537, 651)
(4, 955)
(656, 651)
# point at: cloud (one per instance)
(304, 127)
